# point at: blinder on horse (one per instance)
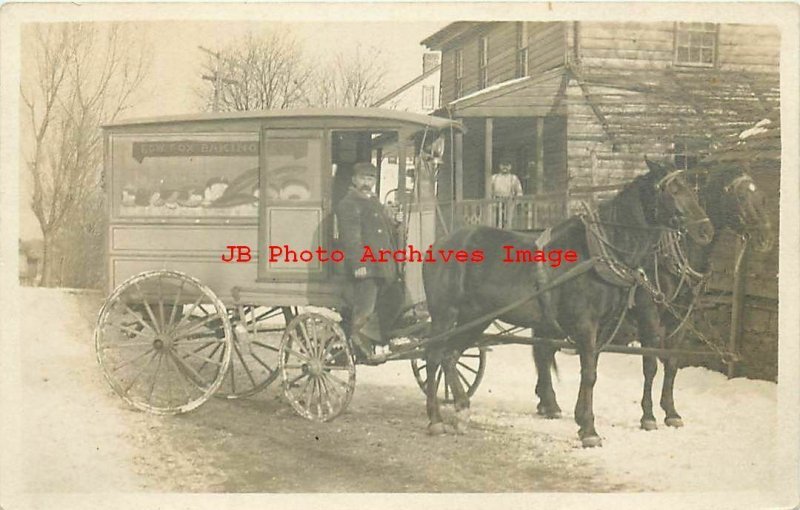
(674, 185)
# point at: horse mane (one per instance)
(625, 221)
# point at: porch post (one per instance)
(458, 152)
(539, 155)
(457, 211)
(487, 158)
(401, 173)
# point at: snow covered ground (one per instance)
(728, 443)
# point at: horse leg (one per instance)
(673, 419)
(649, 333)
(544, 357)
(440, 322)
(432, 363)
(460, 398)
(584, 414)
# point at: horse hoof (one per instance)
(649, 425)
(461, 422)
(548, 413)
(674, 422)
(436, 429)
(591, 441)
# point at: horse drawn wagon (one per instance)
(199, 306)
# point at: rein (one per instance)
(670, 249)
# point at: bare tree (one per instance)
(259, 73)
(81, 75)
(353, 79)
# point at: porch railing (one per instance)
(528, 212)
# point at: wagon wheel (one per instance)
(317, 367)
(470, 368)
(159, 355)
(257, 333)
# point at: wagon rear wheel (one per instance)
(257, 333)
(470, 367)
(317, 367)
(159, 353)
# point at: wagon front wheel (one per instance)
(317, 367)
(470, 368)
(164, 342)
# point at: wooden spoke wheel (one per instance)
(158, 353)
(470, 367)
(257, 334)
(317, 367)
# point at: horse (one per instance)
(679, 270)
(732, 201)
(473, 295)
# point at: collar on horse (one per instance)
(607, 265)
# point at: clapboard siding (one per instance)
(546, 46)
(652, 46)
(546, 51)
(447, 84)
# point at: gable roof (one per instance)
(449, 33)
(405, 87)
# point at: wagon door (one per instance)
(293, 205)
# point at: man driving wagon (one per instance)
(378, 292)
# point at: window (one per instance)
(483, 62)
(687, 152)
(459, 62)
(695, 44)
(185, 175)
(522, 49)
(427, 97)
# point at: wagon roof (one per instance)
(300, 113)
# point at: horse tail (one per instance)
(553, 366)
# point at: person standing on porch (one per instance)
(504, 183)
(505, 187)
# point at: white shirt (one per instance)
(506, 185)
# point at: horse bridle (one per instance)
(663, 186)
(733, 188)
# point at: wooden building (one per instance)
(578, 104)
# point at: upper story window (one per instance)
(695, 44)
(522, 49)
(427, 97)
(483, 62)
(688, 151)
(459, 63)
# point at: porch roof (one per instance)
(531, 96)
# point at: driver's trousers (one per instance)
(376, 304)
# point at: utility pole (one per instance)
(217, 78)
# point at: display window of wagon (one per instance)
(195, 175)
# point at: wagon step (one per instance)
(403, 344)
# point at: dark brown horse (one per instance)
(732, 201)
(629, 226)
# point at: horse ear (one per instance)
(652, 165)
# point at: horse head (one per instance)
(670, 201)
(734, 201)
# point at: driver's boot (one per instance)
(365, 350)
